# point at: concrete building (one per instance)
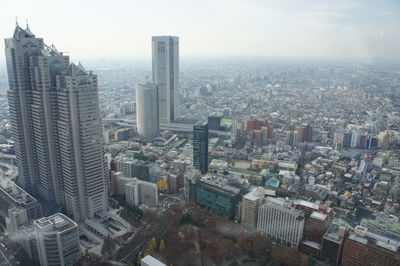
(165, 51)
(57, 239)
(200, 147)
(382, 225)
(250, 203)
(213, 193)
(17, 216)
(133, 168)
(151, 261)
(332, 244)
(141, 192)
(279, 219)
(147, 114)
(54, 112)
(365, 248)
(189, 183)
(121, 182)
(12, 195)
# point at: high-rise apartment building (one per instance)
(147, 114)
(165, 50)
(141, 192)
(200, 147)
(54, 112)
(133, 167)
(57, 240)
(279, 219)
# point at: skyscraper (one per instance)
(200, 147)
(32, 67)
(147, 115)
(80, 150)
(166, 76)
(54, 112)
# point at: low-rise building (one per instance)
(213, 192)
(366, 248)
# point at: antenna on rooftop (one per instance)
(27, 25)
(16, 21)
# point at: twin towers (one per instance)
(158, 102)
(56, 124)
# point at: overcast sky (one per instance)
(360, 29)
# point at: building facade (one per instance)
(279, 219)
(141, 192)
(213, 194)
(54, 112)
(57, 240)
(133, 168)
(250, 204)
(165, 51)
(363, 248)
(200, 147)
(147, 114)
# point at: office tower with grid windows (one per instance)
(165, 51)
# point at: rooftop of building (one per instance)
(284, 203)
(364, 236)
(255, 194)
(336, 232)
(318, 216)
(312, 205)
(150, 260)
(388, 222)
(17, 193)
(55, 223)
(219, 182)
(130, 160)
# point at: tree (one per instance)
(162, 245)
(241, 241)
(153, 243)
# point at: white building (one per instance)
(280, 220)
(166, 76)
(141, 192)
(151, 261)
(147, 115)
(57, 239)
(132, 192)
(17, 216)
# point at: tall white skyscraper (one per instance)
(166, 76)
(147, 115)
(57, 240)
(54, 112)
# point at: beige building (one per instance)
(250, 203)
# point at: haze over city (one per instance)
(355, 29)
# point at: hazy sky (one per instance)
(361, 29)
